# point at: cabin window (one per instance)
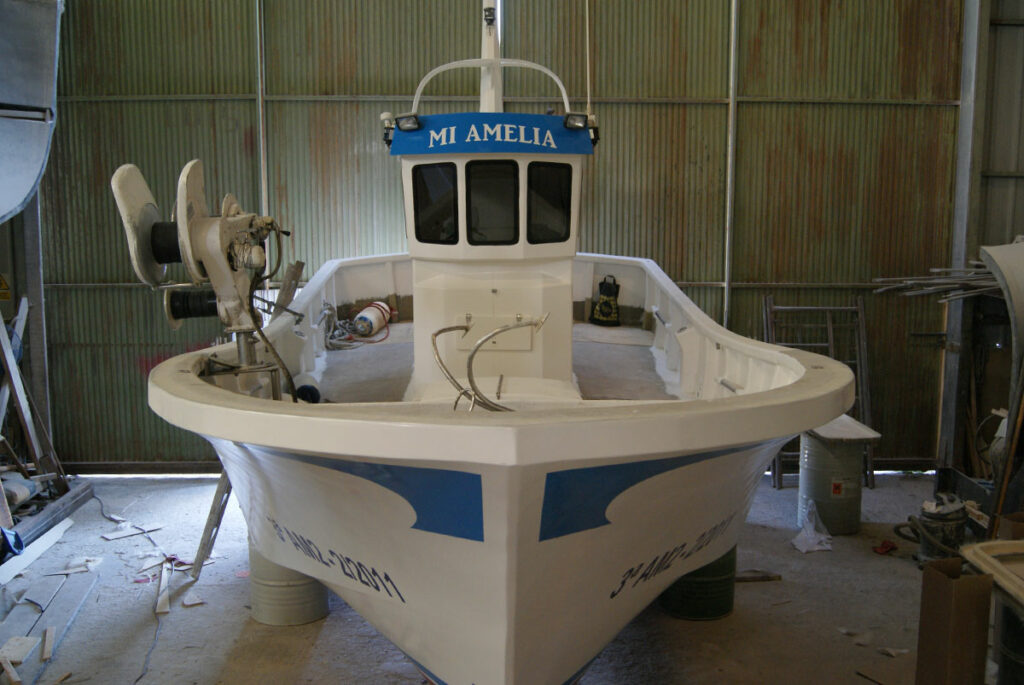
(549, 204)
(492, 198)
(435, 203)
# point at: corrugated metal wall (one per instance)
(156, 83)
(845, 161)
(844, 148)
(1002, 216)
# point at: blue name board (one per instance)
(482, 132)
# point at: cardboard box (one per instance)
(952, 638)
(1011, 526)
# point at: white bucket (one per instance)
(282, 597)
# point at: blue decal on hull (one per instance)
(577, 499)
(446, 502)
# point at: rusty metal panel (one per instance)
(904, 370)
(1003, 173)
(103, 342)
(165, 47)
(1007, 9)
(325, 47)
(655, 187)
(842, 193)
(709, 298)
(333, 183)
(905, 50)
(835, 193)
(82, 233)
(651, 49)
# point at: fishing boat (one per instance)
(459, 440)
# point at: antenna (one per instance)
(490, 49)
(586, 23)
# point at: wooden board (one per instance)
(129, 532)
(19, 622)
(16, 565)
(42, 591)
(163, 598)
(58, 618)
(846, 429)
(20, 319)
(1004, 559)
(18, 648)
(49, 636)
(13, 380)
(12, 675)
(5, 511)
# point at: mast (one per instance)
(490, 48)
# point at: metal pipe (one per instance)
(491, 86)
(1003, 174)
(463, 392)
(39, 378)
(768, 99)
(158, 97)
(275, 383)
(482, 399)
(968, 160)
(775, 285)
(730, 161)
(246, 346)
(606, 100)
(487, 63)
(586, 52)
(261, 114)
(270, 285)
(966, 154)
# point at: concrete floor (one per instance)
(780, 632)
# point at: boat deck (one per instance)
(609, 363)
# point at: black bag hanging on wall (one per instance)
(606, 310)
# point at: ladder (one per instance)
(836, 332)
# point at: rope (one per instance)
(343, 334)
(257, 318)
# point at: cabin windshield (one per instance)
(435, 203)
(549, 203)
(493, 199)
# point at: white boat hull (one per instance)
(530, 570)
(510, 547)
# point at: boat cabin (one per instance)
(492, 217)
